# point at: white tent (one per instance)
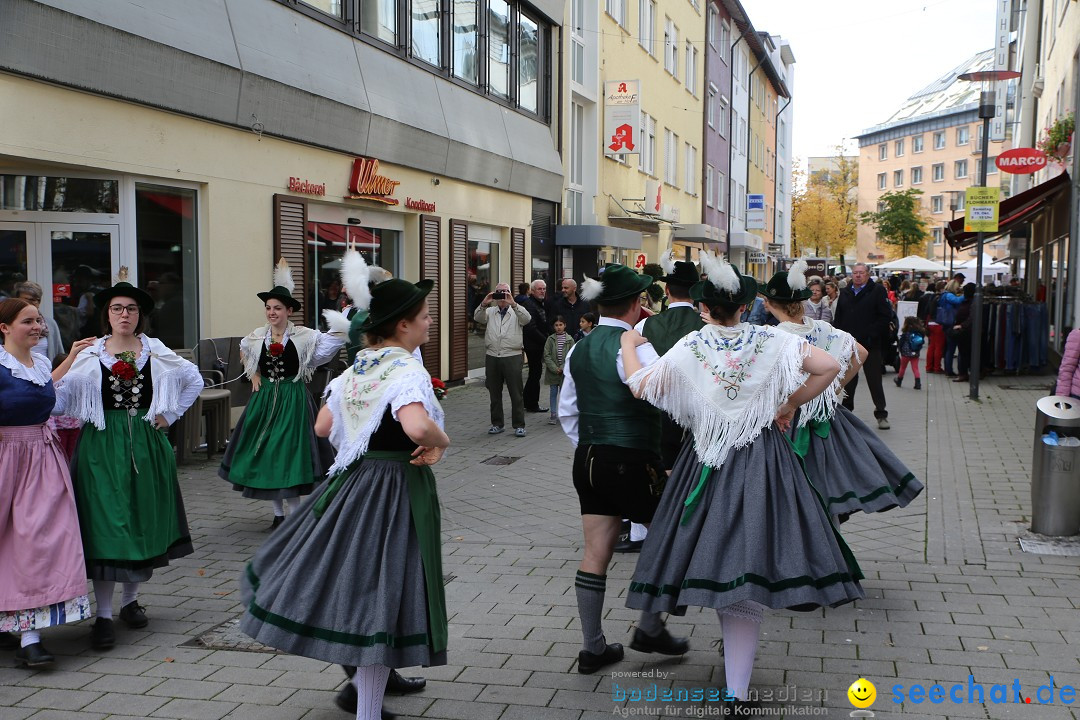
(989, 266)
(913, 263)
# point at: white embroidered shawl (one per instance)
(358, 398)
(724, 384)
(39, 375)
(175, 380)
(305, 340)
(841, 346)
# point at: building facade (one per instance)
(198, 146)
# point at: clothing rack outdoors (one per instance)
(1017, 331)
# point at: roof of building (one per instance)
(754, 40)
(944, 96)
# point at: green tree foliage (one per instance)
(899, 221)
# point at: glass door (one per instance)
(74, 263)
(17, 261)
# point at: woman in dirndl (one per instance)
(127, 389)
(355, 576)
(739, 527)
(847, 462)
(42, 571)
(273, 453)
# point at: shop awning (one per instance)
(597, 236)
(1015, 211)
(700, 233)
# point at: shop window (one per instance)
(14, 268)
(379, 19)
(482, 275)
(466, 41)
(326, 245)
(58, 194)
(167, 251)
(528, 63)
(426, 23)
(499, 48)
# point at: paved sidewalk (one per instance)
(949, 594)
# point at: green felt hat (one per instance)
(788, 285)
(125, 289)
(283, 287)
(725, 284)
(617, 282)
(390, 300)
(684, 272)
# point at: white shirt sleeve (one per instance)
(646, 356)
(640, 327)
(568, 409)
(326, 347)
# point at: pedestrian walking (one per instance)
(127, 389)
(863, 310)
(556, 348)
(503, 319)
(912, 339)
(935, 333)
(846, 461)
(378, 510)
(617, 468)
(738, 505)
(42, 568)
(273, 453)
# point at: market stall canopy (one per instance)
(914, 263)
(1015, 211)
(989, 266)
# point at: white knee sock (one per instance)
(129, 594)
(294, 503)
(741, 630)
(103, 593)
(370, 682)
(30, 637)
(279, 508)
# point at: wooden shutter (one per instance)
(517, 257)
(290, 242)
(430, 246)
(459, 300)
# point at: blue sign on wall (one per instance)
(755, 202)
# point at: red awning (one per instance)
(1016, 210)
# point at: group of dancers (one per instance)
(727, 438)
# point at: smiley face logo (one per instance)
(862, 693)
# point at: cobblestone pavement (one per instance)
(949, 594)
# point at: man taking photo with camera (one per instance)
(504, 318)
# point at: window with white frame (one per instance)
(916, 175)
(897, 178)
(992, 168)
(743, 136)
(725, 41)
(671, 157)
(710, 108)
(617, 10)
(708, 185)
(937, 203)
(725, 115)
(960, 169)
(979, 138)
(647, 156)
(882, 183)
(647, 25)
(898, 149)
(711, 25)
(740, 205)
(883, 151)
(691, 67)
(721, 191)
(671, 47)
(939, 140)
(917, 144)
(963, 135)
(577, 42)
(575, 190)
(936, 233)
(938, 172)
(690, 181)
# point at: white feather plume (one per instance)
(377, 275)
(720, 273)
(336, 321)
(355, 276)
(283, 276)
(591, 289)
(667, 261)
(796, 275)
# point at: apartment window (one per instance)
(938, 171)
(528, 63)
(898, 178)
(671, 47)
(979, 140)
(881, 182)
(647, 156)
(724, 117)
(939, 140)
(721, 191)
(960, 169)
(725, 41)
(898, 150)
(937, 203)
(992, 168)
(710, 108)
(917, 144)
(466, 40)
(883, 151)
(916, 175)
(671, 157)
(426, 38)
(379, 19)
(647, 25)
(740, 201)
(711, 24)
(709, 185)
(617, 10)
(963, 135)
(575, 191)
(499, 47)
(936, 233)
(577, 42)
(690, 184)
(691, 67)
(330, 7)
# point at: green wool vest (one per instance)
(608, 413)
(671, 326)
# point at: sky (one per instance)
(856, 61)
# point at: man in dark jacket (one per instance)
(863, 309)
(533, 337)
(567, 303)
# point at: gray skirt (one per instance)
(854, 470)
(346, 587)
(759, 532)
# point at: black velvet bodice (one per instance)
(390, 435)
(125, 397)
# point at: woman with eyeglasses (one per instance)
(127, 389)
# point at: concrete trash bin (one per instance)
(1055, 469)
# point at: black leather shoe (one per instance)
(396, 683)
(663, 643)
(9, 641)
(278, 519)
(102, 634)
(134, 615)
(346, 700)
(588, 663)
(628, 546)
(34, 656)
(740, 708)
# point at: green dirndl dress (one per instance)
(273, 453)
(131, 512)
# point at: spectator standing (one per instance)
(556, 348)
(503, 319)
(534, 335)
(816, 306)
(831, 293)
(961, 333)
(585, 326)
(947, 305)
(50, 344)
(863, 310)
(568, 303)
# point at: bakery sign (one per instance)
(366, 183)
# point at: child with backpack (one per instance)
(912, 339)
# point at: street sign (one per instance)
(776, 248)
(622, 117)
(640, 261)
(981, 209)
(755, 211)
(1021, 161)
(757, 258)
(816, 266)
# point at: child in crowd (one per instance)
(555, 350)
(67, 428)
(912, 339)
(585, 325)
